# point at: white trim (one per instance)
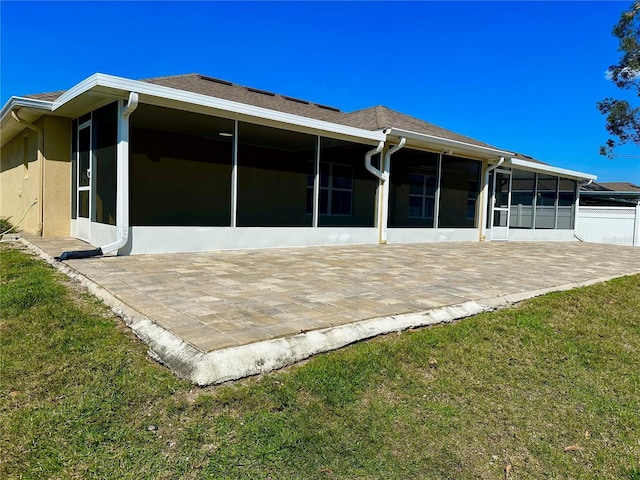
(146, 240)
(23, 102)
(242, 109)
(541, 235)
(400, 235)
(543, 168)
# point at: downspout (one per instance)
(383, 209)
(122, 186)
(380, 175)
(367, 162)
(485, 196)
(40, 199)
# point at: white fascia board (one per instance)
(446, 143)
(24, 102)
(542, 168)
(143, 88)
(76, 90)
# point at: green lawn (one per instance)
(79, 397)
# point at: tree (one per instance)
(623, 120)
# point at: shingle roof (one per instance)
(621, 186)
(594, 187)
(214, 87)
(611, 187)
(49, 96)
(373, 118)
(380, 117)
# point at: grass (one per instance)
(5, 224)
(79, 397)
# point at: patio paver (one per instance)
(223, 299)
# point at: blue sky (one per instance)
(523, 76)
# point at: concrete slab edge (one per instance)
(164, 347)
(233, 363)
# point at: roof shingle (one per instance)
(372, 118)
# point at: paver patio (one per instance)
(222, 299)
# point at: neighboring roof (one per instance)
(618, 187)
(621, 186)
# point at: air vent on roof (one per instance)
(263, 92)
(297, 100)
(215, 80)
(333, 109)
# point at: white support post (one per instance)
(436, 203)
(234, 176)
(636, 227)
(316, 184)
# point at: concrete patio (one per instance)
(217, 316)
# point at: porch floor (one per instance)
(223, 299)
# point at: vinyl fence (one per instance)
(615, 225)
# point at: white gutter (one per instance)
(383, 208)
(22, 102)
(543, 168)
(455, 146)
(367, 162)
(485, 199)
(40, 199)
(122, 181)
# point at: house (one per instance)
(610, 194)
(609, 212)
(194, 163)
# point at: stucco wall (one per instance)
(19, 186)
(57, 185)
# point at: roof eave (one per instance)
(9, 126)
(544, 168)
(24, 102)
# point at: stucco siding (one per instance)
(57, 186)
(19, 185)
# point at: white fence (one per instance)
(615, 225)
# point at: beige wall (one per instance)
(57, 185)
(20, 186)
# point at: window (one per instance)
(422, 190)
(336, 189)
